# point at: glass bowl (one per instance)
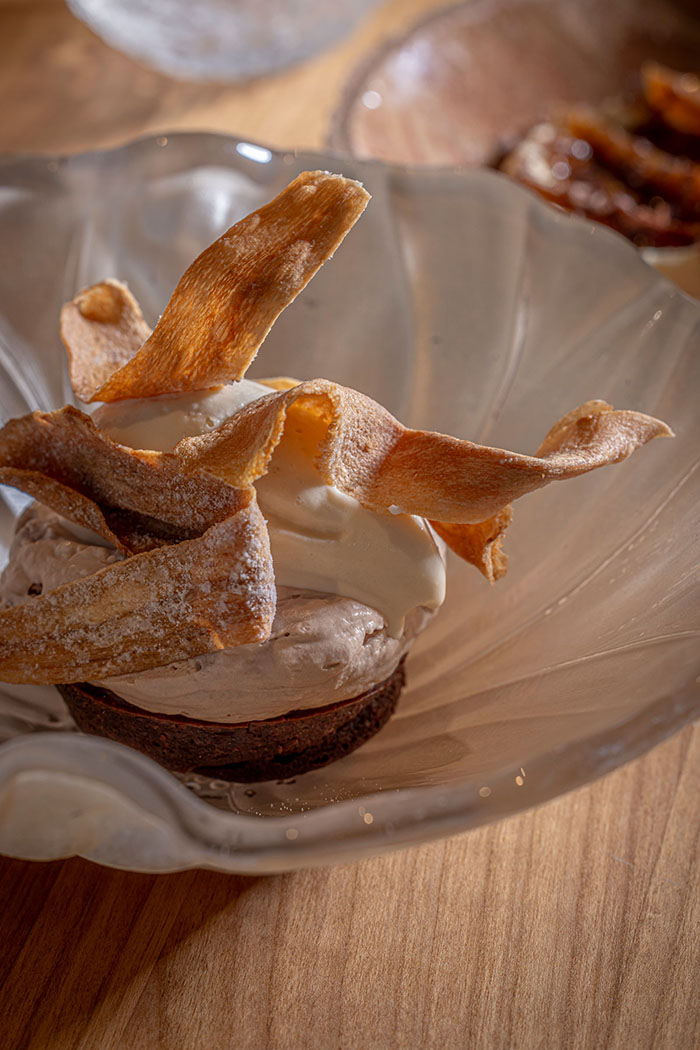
(466, 305)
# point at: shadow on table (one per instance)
(83, 946)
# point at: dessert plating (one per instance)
(196, 524)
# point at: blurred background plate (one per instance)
(457, 85)
(465, 305)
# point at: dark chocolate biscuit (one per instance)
(273, 749)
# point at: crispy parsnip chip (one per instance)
(226, 302)
(168, 604)
(370, 455)
(66, 502)
(102, 329)
(144, 499)
(480, 543)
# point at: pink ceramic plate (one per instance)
(469, 78)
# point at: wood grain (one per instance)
(575, 925)
(63, 90)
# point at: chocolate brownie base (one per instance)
(273, 749)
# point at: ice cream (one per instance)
(354, 587)
(321, 539)
(321, 646)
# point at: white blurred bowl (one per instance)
(220, 40)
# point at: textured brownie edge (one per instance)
(245, 752)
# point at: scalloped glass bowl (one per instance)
(465, 305)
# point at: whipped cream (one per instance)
(322, 649)
(321, 539)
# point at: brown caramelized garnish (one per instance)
(642, 180)
(674, 96)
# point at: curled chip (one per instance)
(102, 329)
(480, 543)
(369, 455)
(166, 604)
(228, 299)
(136, 500)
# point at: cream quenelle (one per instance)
(321, 539)
(321, 645)
(355, 587)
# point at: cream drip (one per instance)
(321, 539)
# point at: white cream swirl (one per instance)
(355, 587)
(321, 539)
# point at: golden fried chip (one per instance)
(479, 543)
(66, 502)
(102, 329)
(370, 455)
(143, 498)
(227, 300)
(168, 604)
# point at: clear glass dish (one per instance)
(466, 305)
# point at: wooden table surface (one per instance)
(576, 925)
